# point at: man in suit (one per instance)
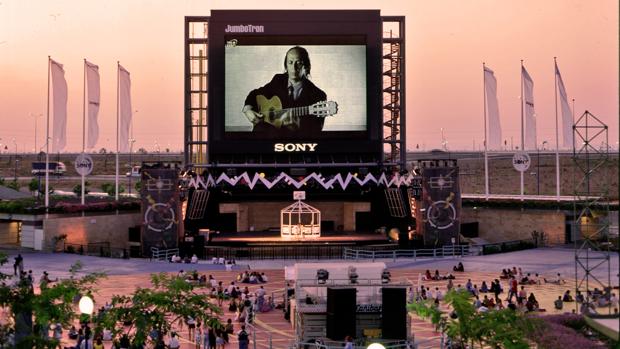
(294, 90)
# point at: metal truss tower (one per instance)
(591, 206)
(393, 92)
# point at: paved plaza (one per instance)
(125, 275)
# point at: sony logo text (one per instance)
(294, 147)
(248, 28)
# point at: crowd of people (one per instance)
(487, 296)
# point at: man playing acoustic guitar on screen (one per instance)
(290, 104)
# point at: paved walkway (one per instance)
(125, 275)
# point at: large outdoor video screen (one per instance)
(298, 90)
(282, 77)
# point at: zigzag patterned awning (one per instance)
(327, 183)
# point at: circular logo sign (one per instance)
(521, 161)
(84, 164)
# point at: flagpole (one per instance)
(117, 126)
(47, 138)
(522, 131)
(557, 136)
(83, 127)
(486, 156)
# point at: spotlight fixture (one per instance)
(321, 276)
(353, 274)
(386, 276)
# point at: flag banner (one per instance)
(94, 91)
(59, 91)
(528, 107)
(495, 129)
(567, 115)
(124, 108)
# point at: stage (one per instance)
(272, 237)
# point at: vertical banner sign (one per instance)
(441, 198)
(160, 209)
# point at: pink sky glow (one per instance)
(447, 41)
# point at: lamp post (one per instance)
(35, 116)
(15, 160)
(538, 167)
(131, 142)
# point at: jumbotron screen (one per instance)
(280, 77)
(331, 91)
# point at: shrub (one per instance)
(561, 332)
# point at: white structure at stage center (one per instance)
(300, 221)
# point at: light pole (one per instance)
(36, 116)
(15, 160)
(538, 167)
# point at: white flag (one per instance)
(92, 82)
(495, 129)
(567, 115)
(530, 116)
(59, 90)
(124, 108)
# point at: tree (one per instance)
(13, 185)
(170, 300)
(496, 328)
(110, 188)
(33, 185)
(53, 304)
(77, 189)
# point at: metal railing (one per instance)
(163, 254)
(442, 252)
(276, 252)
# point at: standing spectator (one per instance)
(18, 265)
(173, 342)
(211, 338)
(198, 337)
(513, 288)
(348, 342)
(243, 338)
(191, 326)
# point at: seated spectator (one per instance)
(469, 285)
(459, 267)
(613, 300)
(194, 259)
(532, 303)
(173, 259)
(505, 274)
(427, 275)
(558, 304)
(253, 279)
(263, 277)
(477, 303)
(437, 276)
(491, 303)
(557, 280)
(524, 280)
(579, 297)
(438, 294)
(567, 297)
(450, 285)
(484, 288)
(73, 333)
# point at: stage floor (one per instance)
(273, 237)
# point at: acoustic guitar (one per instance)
(273, 113)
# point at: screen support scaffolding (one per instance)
(393, 71)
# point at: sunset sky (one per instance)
(447, 41)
